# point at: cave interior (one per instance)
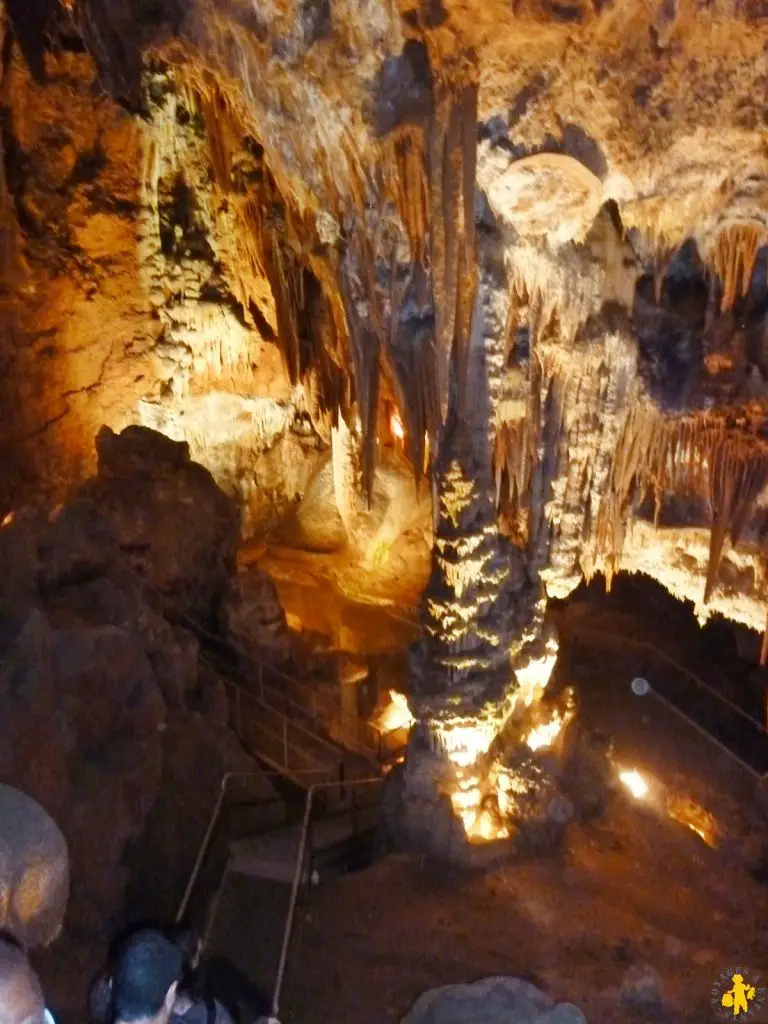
(384, 431)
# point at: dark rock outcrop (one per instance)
(105, 717)
(176, 530)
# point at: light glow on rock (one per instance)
(635, 783)
(544, 735)
(479, 824)
(397, 714)
(396, 427)
(533, 678)
(463, 743)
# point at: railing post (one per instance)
(285, 744)
(342, 787)
(216, 813)
(300, 857)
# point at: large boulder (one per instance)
(105, 687)
(174, 527)
(492, 1001)
(34, 736)
(121, 600)
(105, 715)
(34, 870)
(109, 696)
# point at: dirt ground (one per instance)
(634, 890)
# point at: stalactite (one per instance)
(701, 456)
(408, 183)
(564, 288)
(661, 263)
(452, 161)
(732, 257)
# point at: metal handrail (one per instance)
(198, 628)
(257, 699)
(300, 857)
(644, 644)
(673, 707)
(213, 822)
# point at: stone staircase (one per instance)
(248, 916)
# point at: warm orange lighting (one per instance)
(8, 520)
(686, 812)
(396, 426)
(533, 677)
(544, 735)
(635, 783)
(478, 822)
(464, 744)
(397, 714)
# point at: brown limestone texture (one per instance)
(106, 714)
(322, 211)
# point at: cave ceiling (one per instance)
(364, 182)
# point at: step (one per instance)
(249, 927)
(273, 855)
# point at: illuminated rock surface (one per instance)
(289, 231)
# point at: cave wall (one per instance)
(76, 331)
(116, 305)
(284, 227)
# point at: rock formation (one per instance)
(492, 1001)
(106, 716)
(535, 229)
(34, 870)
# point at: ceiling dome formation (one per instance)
(547, 195)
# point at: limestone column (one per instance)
(481, 614)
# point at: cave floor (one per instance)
(632, 890)
(635, 889)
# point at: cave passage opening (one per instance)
(684, 702)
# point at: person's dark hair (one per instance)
(101, 1008)
(10, 940)
(146, 965)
